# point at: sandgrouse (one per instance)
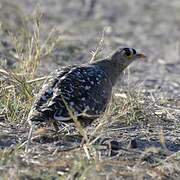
(84, 89)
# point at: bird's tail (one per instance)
(37, 117)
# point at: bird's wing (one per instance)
(85, 90)
(47, 90)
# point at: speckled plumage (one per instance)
(84, 89)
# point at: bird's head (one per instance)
(124, 56)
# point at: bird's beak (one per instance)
(141, 56)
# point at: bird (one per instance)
(84, 89)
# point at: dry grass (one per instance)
(19, 85)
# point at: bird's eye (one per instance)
(128, 52)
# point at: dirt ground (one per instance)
(148, 148)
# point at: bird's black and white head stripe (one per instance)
(129, 51)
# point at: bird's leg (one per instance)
(29, 138)
(55, 124)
